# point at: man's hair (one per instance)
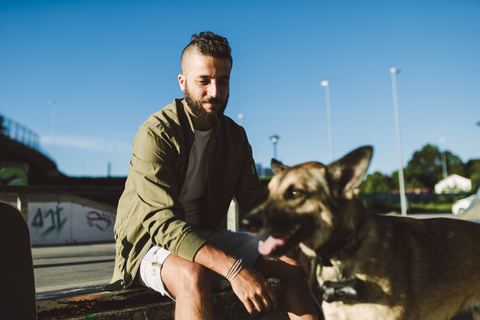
(208, 44)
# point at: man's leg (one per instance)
(298, 301)
(190, 285)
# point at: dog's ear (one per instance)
(346, 175)
(277, 166)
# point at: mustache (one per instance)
(213, 100)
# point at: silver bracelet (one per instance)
(236, 268)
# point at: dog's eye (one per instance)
(296, 193)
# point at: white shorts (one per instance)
(238, 245)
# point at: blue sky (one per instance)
(110, 64)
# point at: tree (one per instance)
(472, 169)
(376, 183)
(424, 170)
(411, 181)
(426, 166)
(454, 164)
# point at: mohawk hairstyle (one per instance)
(208, 44)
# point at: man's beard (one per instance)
(196, 106)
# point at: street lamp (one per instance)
(444, 160)
(274, 140)
(52, 152)
(325, 84)
(240, 118)
(403, 200)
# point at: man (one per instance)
(188, 161)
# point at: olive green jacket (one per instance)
(149, 211)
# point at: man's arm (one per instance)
(249, 285)
(156, 189)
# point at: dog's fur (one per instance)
(412, 268)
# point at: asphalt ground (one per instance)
(63, 268)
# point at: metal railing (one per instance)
(20, 133)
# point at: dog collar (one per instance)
(344, 290)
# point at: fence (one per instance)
(422, 198)
(20, 133)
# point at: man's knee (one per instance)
(185, 276)
(194, 274)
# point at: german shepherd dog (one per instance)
(370, 266)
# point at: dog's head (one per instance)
(307, 202)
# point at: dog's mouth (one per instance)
(279, 244)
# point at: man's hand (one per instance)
(254, 291)
(249, 285)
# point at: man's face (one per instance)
(206, 84)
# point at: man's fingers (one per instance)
(266, 300)
(258, 305)
(272, 298)
(249, 306)
(267, 304)
(254, 291)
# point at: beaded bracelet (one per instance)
(236, 268)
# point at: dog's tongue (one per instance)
(267, 246)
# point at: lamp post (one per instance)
(240, 118)
(52, 151)
(326, 84)
(274, 140)
(444, 160)
(403, 200)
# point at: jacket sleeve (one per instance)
(153, 160)
(249, 192)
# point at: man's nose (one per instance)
(213, 89)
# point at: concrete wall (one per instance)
(66, 219)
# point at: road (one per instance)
(61, 268)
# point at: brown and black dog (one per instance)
(370, 266)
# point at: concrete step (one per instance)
(140, 303)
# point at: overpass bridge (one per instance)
(19, 144)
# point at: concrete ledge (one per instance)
(139, 303)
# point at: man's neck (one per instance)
(200, 125)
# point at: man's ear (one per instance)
(277, 166)
(347, 174)
(181, 81)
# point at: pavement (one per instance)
(63, 268)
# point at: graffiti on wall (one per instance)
(55, 223)
(102, 221)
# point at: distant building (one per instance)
(453, 184)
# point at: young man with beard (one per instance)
(188, 161)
